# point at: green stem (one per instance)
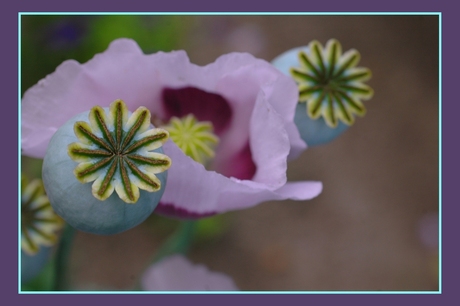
(179, 242)
(62, 259)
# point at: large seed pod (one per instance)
(121, 152)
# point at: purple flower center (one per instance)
(206, 106)
(242, 166)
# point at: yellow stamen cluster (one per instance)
(196, 139)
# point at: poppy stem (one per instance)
(62, 259)
(179, 242)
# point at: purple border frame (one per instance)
(449, 151)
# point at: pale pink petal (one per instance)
(269, 143)
(241, 86)
(194, 189)
(177, 273)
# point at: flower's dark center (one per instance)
(216, 111)
(205, 106)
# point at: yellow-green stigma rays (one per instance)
(196, 139)
(114, 152)
(39, 222)
(331, 84)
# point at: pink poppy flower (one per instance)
(250, 104)
(177, 273)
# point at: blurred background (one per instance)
(374, 227)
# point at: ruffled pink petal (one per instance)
(177, 273)
(195, 191)
(269, 143)
(242, 85)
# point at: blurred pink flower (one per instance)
(177, 273)
(428, 230)
(250, 104)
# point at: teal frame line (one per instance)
(19, 153)
(439, 14)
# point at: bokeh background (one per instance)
(374, 227)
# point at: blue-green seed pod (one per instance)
(121, 152)
(330, 89)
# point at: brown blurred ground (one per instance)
(379, 178)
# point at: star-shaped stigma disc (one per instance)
(331, 84)
(114, 151)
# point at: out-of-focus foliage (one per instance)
(213, 228)
(44, 281)
(48, 40)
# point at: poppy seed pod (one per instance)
(330, 86)
(39, 228)
(121, 152)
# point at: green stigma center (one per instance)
(195, 138)
(331, 84)
(118, 152)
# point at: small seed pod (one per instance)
(331, 89)
(39, 228)
(121, 154)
